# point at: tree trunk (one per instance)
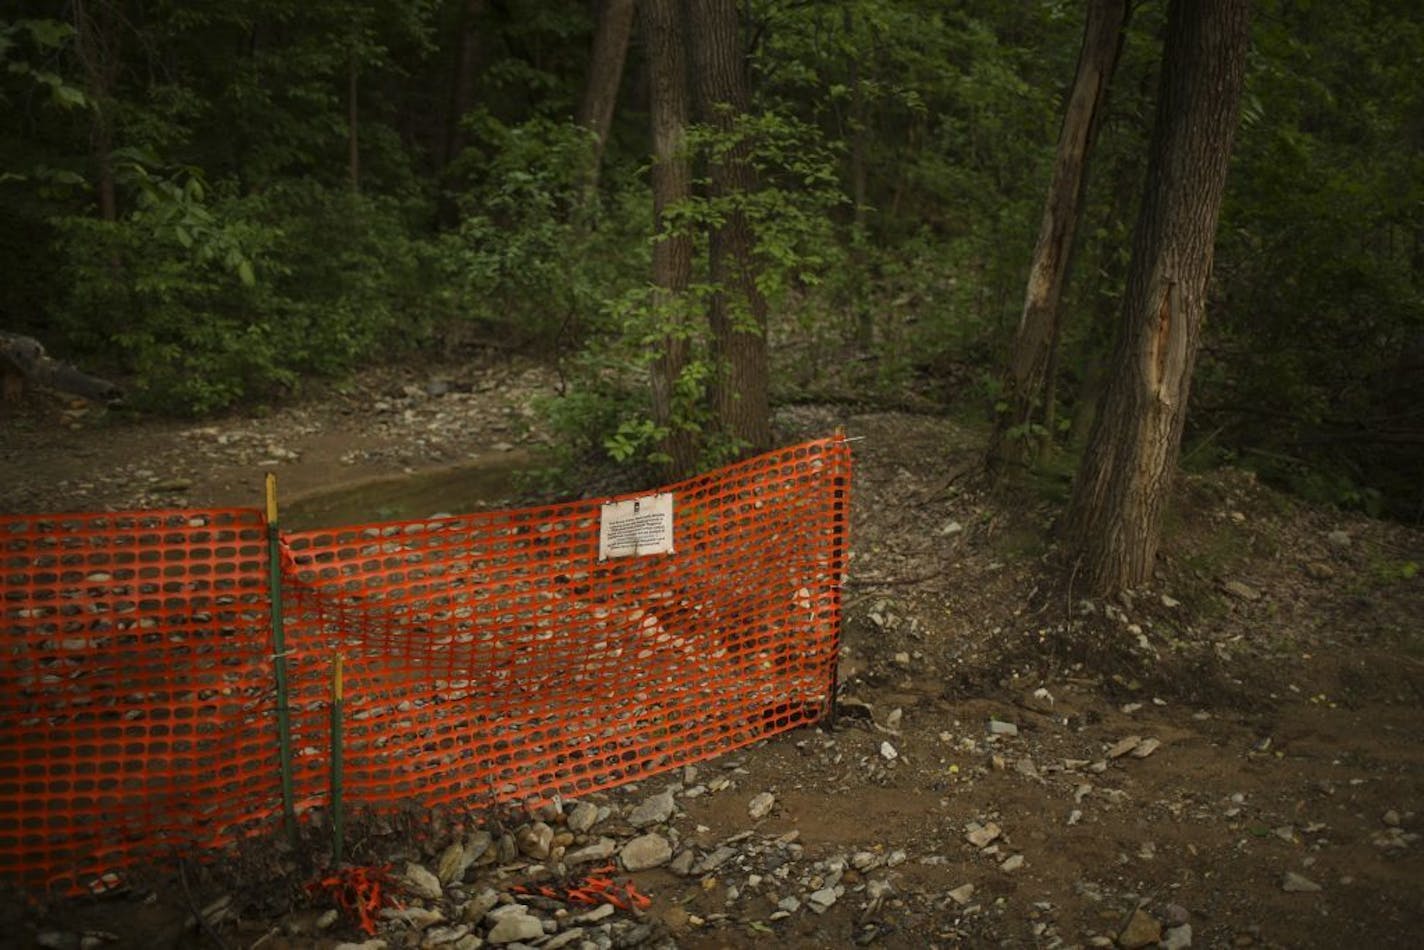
(97, 41)
(464, 80)
(859, 122)
(1026, 382)
(1114, 520)
(353, 141)
(738, 312)
(672, 253)
(605, 75)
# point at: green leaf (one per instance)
(48, 33)
(244, 274)
(69, 97)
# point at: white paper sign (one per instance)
(637, 526)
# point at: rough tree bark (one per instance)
(672, 252)
(1026, 380)
(738, 311)
(96, 39)
(464, 80)
(605, 75)
(353, 115)
(1113, 522)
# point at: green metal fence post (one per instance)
(337, 811)
(279, 661)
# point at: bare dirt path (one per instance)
(1232, 758)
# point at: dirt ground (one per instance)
(1231, 758)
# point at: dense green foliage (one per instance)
(256, 237)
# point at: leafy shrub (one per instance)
(209, 301)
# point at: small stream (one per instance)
(481, 485)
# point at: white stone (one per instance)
(646, 851)
(582, 817)
(516, 927)
(653, 811)
(1296, 883)
(420, 882)
(981, 835)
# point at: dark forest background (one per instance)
(218, 201)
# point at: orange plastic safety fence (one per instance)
(494, 657)
(136, 691)
(489, 657)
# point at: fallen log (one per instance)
(23, 361)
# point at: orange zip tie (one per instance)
(594, 888)
(360, 892)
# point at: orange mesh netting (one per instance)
(494, 657)
(489, 658)
(135, 690)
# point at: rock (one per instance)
(682, 863)
(1298, 884)
(1142, 930)
(962, 894)
(902, 660)
(711, 862)
(653, 811)
(572, 935)
(760, 806)
(645, 851)
(1146, 747)
(981, 835)
(1176, 915)
(1012, 863)
(1319, 570)
(1241, 591)
(1170, 602)
(516, 927)
(1177, 938)
(439, 936)
(173, 484)
(1391, 818)
(594, 916)
(1123, 746)
(416, 917)
(820, 901)
(864, 860)
(476, 907)
(888, 753)
(375, 943)
(998, 727)
(583, 817)
(452, 864)
(632, 936)
(477, 845)
(420, 882)
(600, 850)
(1339, 540)
(535, 839)
(506, 849)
